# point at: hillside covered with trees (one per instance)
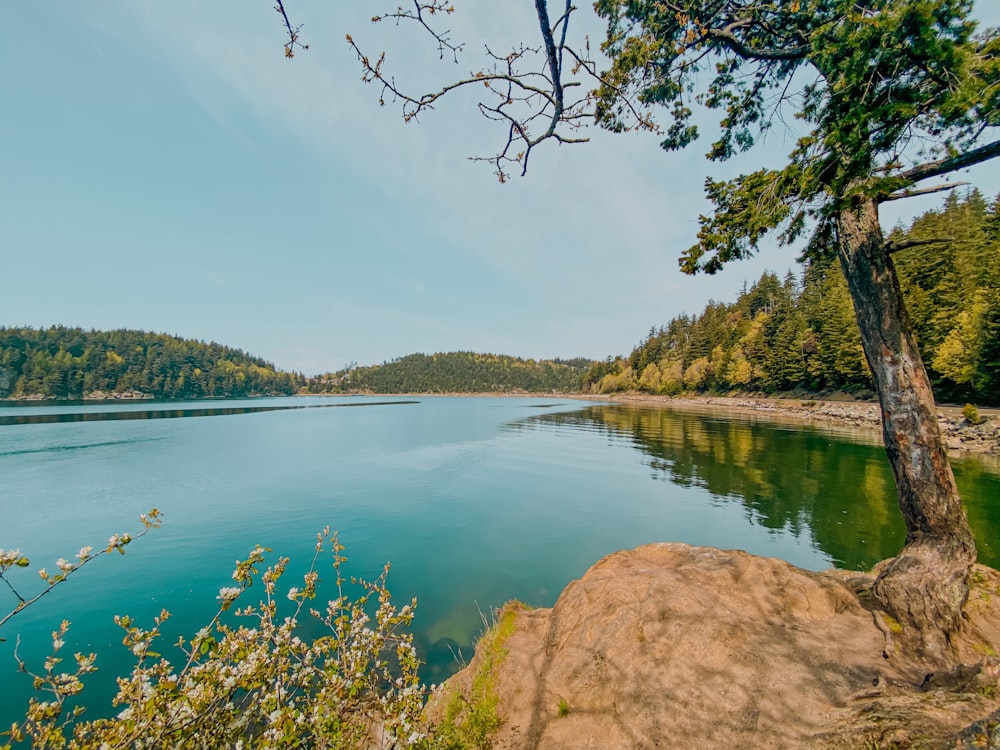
(800, 334)
(457, 372)
(61, 362)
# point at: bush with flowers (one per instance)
(246, 679)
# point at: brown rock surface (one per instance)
(673, 646)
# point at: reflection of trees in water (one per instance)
(799, 480)
(979, 485)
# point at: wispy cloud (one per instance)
(421, 249)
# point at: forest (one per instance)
(457, 372)
(800, 334)
(71, 363)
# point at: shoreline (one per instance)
(856, 417)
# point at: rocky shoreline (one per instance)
(960, 435)
(117, 396)
(90, 396)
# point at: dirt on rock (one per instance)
(674, 646)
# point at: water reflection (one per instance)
(65, 448)
(841, 493)
(211, 411)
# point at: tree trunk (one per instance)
(925, 587)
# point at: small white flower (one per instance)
(84, 553)
(228, 593)
(64, 565)
(293, 592)
(9, 556)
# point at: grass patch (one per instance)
(471, 722)
(979, 586)
(985, 649)
(977, 577)
(563, 707)
(893, 624)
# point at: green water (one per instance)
(473, 500)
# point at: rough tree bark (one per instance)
(925, 587)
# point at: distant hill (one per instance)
(457, 372)
(61, 362)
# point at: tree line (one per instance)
(456, 372)
(780, 335)
(62, 362)
(800, 334)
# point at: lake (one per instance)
(474, 501)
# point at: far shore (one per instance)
(843, 415)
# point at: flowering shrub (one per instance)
(246, 679)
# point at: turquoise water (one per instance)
(473, 500)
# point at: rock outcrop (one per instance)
(673, 646)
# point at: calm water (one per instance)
(474, 501)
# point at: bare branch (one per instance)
(643, 121)
(527, 89)
(895, 247)
(923, 191)
(952, 163)
(426, 101)
(443, 39)
(564, 20)
(728, 38)
(541, 9)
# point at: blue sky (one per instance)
(165, 168)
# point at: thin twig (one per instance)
(293, 32)
(13, 590)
